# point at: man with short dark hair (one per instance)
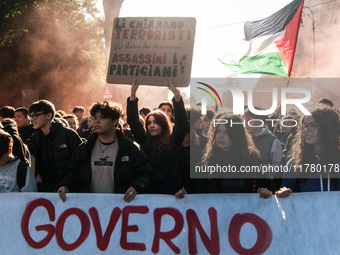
(55, 144)
(108, 162)
(24, 125)
(144, 112)
(78, 108)
(6, 112)
(205, 124)
(79, 112)
(326, 101)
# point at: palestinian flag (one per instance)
(269, 43)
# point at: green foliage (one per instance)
(10, 9)
(52, 45)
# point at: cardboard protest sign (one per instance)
(153, 50)
(39, 223)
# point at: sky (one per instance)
(219, 26)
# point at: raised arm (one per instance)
(136, 126)
(181, 120)
(134, 88)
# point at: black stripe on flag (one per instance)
(273, 24)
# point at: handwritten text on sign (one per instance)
(153, 50)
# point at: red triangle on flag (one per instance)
(287, 43)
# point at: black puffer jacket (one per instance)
(165, 164)
(26, 132)
(53, 154)
(132, 167)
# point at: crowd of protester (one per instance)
(154, 152)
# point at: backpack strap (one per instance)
(21, 174)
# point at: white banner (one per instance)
(36, 223)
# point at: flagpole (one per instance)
(288, 81)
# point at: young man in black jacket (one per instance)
(54, 144)
(24, 125)
(108, 162)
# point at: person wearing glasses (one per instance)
(54, 144)
(314, 165)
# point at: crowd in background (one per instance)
(47, 150)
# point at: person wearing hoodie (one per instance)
(7, 112)
(54, 143)
(318, 148)
(266, 143)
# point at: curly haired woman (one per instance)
(316, 148)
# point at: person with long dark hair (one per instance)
(88, 132)
(160, 141)
(231, 145)
(314, 163)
